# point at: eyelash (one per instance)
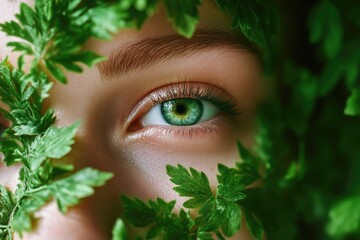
(202, 91)
(197, 91)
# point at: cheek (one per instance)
(140, 167)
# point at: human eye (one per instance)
(187, 107)
(180, 112)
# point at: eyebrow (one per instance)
(148, 52)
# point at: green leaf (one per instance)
(247, 167)
(26, 15)
(7, 147)
(35, 200)
(212, 214)
(32, 127)
(119, 230)
(190, 183)
(249, 17)
(344, 217)
(353, 103)
(204, 236)
(21, 47)
(301, 104)
(68, 191)
(325, 26)
(183, 15)
(21, 221)
(54, 143)
(107, 20)
(231, 184)
(154, 231)
(7, 204)
(232, 221)
(159, 217)
(56, 72)
(88, 58)
(253, 224)
(137, 212)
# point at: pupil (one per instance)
(181, 109)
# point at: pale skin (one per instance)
(113, 136)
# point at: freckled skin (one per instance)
(139, 159)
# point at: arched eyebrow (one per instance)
(147, 53)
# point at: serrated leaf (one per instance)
(21, 221)
(190, 183)
(69, 191)
(35, 200)
(232, 222)
(56, 71)
(54, 143)
(21, 47)
(137, 212)
(26, 15)
(7, 204)
(231, 184)
(211, 216)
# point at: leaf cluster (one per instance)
(53, 33)
(33, 140)
(217, 214)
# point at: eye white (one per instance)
(155, 117)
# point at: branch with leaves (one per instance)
(292, 142)
(220, 214)
(52, 34)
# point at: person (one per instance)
(214, 80)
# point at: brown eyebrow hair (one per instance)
(149, 52)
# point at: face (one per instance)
(159, 99)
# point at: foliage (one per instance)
(307, 146)
(219, 214)
(33, 141)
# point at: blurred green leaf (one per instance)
(119, 230)
(183, 15)
(353, 103)
(344, 217)
(326, 27)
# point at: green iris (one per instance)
(182, 111)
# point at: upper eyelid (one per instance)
(219, 97)
(203, 91)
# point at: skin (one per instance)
(138, 158)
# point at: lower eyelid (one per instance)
(203, 130)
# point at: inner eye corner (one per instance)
(134, 126)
